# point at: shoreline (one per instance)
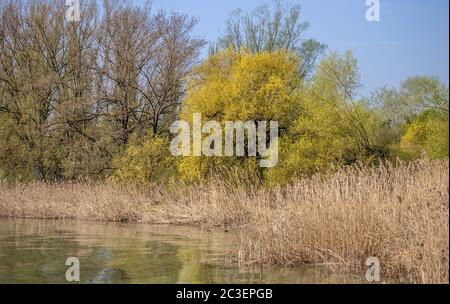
(205, 241)
(397, 214)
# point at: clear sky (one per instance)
(410, 39)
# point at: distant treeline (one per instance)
(96, 98)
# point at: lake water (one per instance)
(35, 251)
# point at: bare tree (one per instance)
(162, 85)
(144, 62)
(127, 41)
(269, 29)
(71, 93)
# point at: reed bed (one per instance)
(398, 214)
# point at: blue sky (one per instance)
(410, 39)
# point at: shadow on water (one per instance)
(35, 251)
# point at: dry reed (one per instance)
(398, 214)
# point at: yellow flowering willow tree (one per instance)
(241, 87)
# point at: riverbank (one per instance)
(130, 253)
(397, 214)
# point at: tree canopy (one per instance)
(97, 98)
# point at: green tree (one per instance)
(416, 117)
(332, 128)
(415, 95)
(147, 160)
(427, 135)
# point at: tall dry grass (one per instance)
(398, 214)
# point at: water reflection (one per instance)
(35, 251)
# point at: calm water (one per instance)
(35, 251)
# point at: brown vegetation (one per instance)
(398, 214)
